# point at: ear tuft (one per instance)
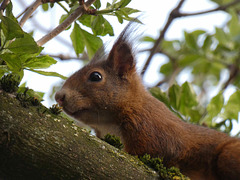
(121, 58)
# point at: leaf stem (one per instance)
(63, 7)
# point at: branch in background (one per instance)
(50, 1)
(45, 30)
(67, 57)
(18, 16)
(166, 79)
(220, 8)
(4, 5)
(176, 14)
(61, 27)
(234, 71)
(171, 17)
(29, 12)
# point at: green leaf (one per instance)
(234, 26)
(30, 92)
(100, 26)
(129, 11)
(63, 17)
(194, 115)
(188, 59)
(97, 4)
(91, 42)
(190, 40)
(45, 73)
(148, 39)
(161, 96)
(119, 17)
(124, 3)
(9, 12)
(45, 7)
(13, 61)
(166, 69)
(214, 108)
(40, 62)
(184, 100)
(24, 45)
(86, 20)
(174, 94)
(207, 43)
(3, 69)
(232, 108)
(188, 96)
(10, 28)
(216, 104)
(77, 39)
(221, 36)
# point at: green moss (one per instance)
(27, 100)
(172, 173)
(113, 140)
(9, 83)
(55, 109)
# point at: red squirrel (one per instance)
(108, 95)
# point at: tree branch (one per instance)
(234, 71)
(50, 1)
(29, 12)
(61, 27)
(220, 8)
(4, 5)
(171, 17)
(35, 144)
(67, 57)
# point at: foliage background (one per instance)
(207, 58)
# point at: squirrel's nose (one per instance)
(60, 97)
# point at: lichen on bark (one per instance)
(35, 144)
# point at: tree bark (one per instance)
(35, 144)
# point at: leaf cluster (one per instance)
(208, 57)
(97, 23)
(19, 51)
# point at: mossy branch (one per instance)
(35, 144)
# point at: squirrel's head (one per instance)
(98, 90)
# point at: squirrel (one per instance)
(108, 95)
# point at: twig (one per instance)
(67, 57)
(29, 12)
(220, 8)
(45, 30)
(234, 71)
(172, 16)
(162, 82)
(63, 7)
(4, 5)
(50, 1)
(18, 16)
(61, 27)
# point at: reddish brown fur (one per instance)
(119, 104)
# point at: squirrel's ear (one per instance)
(121, 58)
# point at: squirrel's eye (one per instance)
(95, 77)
